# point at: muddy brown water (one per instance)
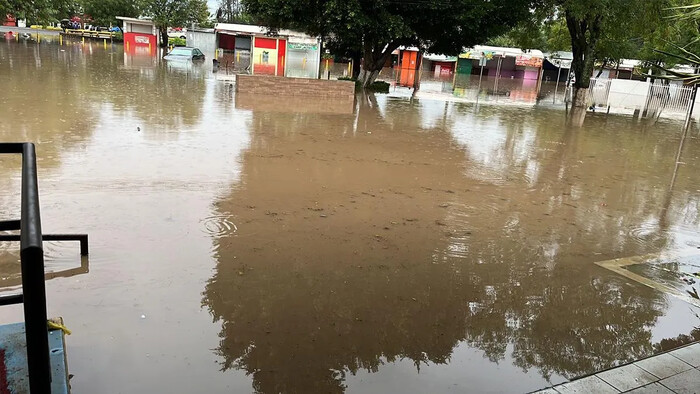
(403, 246)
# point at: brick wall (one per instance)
(282, 86)
(271, 103)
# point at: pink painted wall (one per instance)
(531, 74)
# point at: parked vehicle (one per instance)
(177, 34)
(185, 53)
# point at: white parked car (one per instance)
(178, 34)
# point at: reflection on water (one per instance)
(402, 239)
(404, 246)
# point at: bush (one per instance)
(177, 42)
(379, 87)
(376, 86)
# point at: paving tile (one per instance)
(653, 388)
(663, 365)
(627, 377)
(547, 391)
(687, 382)
(689, 354)
(590, 384)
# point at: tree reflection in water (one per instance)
(371, 238)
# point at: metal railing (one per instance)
(656, 97)
(32, 267)
(599, 91)
(668, 97)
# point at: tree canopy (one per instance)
(39, 11)
(105, 12)
(166, 13)
(602, 31)
(231, 11)
(375, 28)
(170, 13)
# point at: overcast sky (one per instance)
(212, 6)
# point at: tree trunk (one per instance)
(163, 37)
(584, 36)
(356, 64)
(602, 67)
(580, 99)
(375, 57)
(367, 77)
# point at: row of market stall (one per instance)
(255, 49)
(238, 48)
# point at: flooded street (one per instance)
(247, 244)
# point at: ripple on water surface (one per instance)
(218, 225)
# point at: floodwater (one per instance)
(401, 246)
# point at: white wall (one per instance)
(205, 41)
(139, 28)
(627, 94)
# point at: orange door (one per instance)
(408, 68)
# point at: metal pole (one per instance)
(691, 106)
(498, 75)
(478, 90)
(34, 290)
(556, 88)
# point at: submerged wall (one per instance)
(283, 86)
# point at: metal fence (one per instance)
(33, 293)
(649, 98)
(669, 97)
(599, 89)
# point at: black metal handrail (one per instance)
(32, 261)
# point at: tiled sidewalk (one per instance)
(677, 371)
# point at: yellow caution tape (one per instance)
(56, 326)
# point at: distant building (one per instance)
(204, 39)
(9, 21)
(252, 49)
(439, 65)
(502, 62)
(623, 70)
(557, 65)
(140, 35)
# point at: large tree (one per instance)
(604, 31)
(38, 11)
(611, 30)
(174, 13)
(231, 11)
(105, 12)
(375, 28)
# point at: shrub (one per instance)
(376, 86)
(177, 42)
(379, 87)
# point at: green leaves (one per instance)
(444, 26)
(105, 12)
(175, 13)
